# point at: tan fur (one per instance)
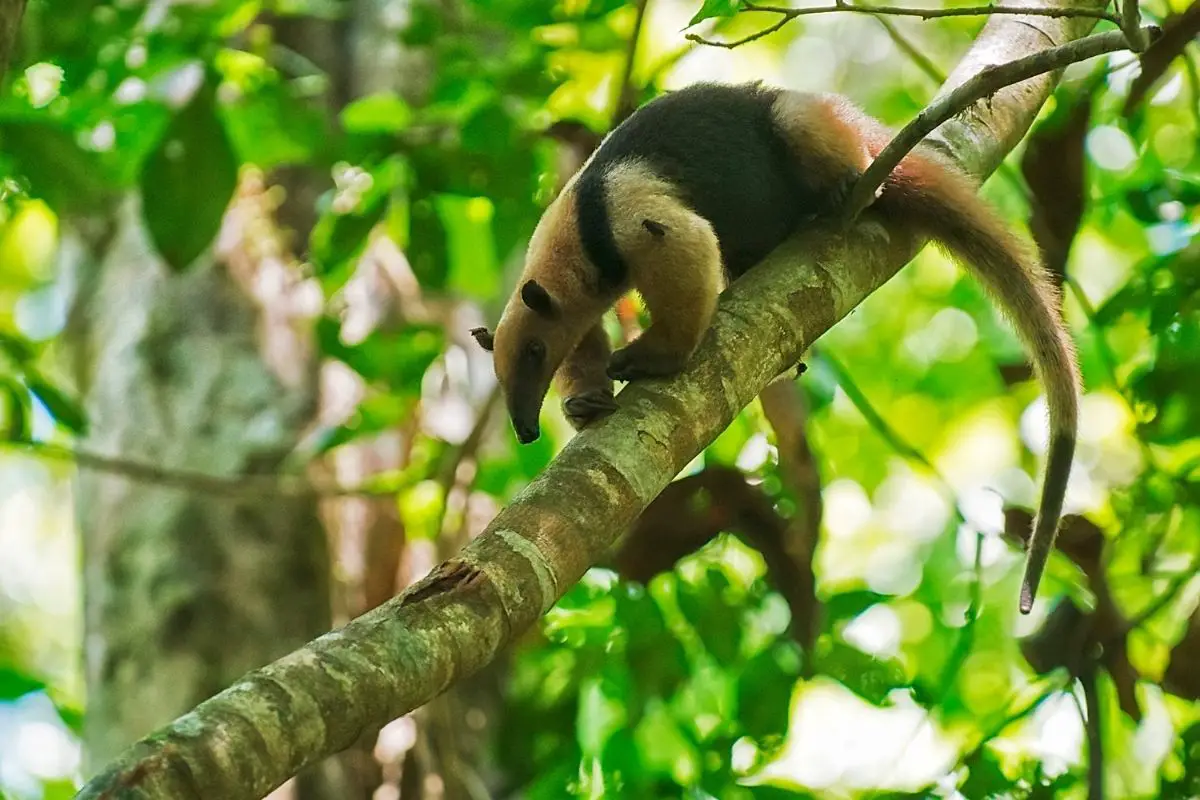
(828, 145)
(678, 274)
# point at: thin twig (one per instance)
(1131, 24)
(447, 474)
(876, 420)
(1093, 725)
(1056, 685)
(207, 483)
(625, 95)
(934, 13)
(983, 84)
(914, 53)
(786, 15)
(1178, 583)
(935, 73)
(1193, 76)
(1089, 313)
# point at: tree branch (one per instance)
(1131, 24)
(270, 485)
(626, 99)
(11, 12)
(1178, 31)
(248, 739)
(983, 84)
(1093, 724)
(786, 15)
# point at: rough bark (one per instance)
(11, 12)
(184, 591)
(319, 699)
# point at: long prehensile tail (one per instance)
(943, 205)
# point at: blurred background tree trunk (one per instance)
(187, 589)
(211, 370)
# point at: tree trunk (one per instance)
(184, 590)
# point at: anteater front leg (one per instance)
(680, 280)
(581, 380)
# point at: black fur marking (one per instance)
(718, 144)
(595, 231)
(538, 300)
(657, 229)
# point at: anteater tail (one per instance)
(942, 204)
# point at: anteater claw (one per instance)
(584, 409)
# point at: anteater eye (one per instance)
(536, 349)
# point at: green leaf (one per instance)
(15, 684)
(706, 605)
(269, 127)
(16, 406)
(601, 714)
(870, 678)
(474, 268)
(340, 235)
(59, 789)
(985, 778)
(59, 171)
(765, 691)
(375, 414)
(384, 112)
(65, 410)
(1172, 382)
(714, 8)
(396, 359)
(188, 181)
(16, 347)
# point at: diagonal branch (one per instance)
(248, 739)
(981, 85)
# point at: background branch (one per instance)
(1178, 31)
(983, 84)
(11, 12)
(272, 485)
(320, 699)
(786, 15)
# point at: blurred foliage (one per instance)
(690, 686)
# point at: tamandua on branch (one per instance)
(695, 188)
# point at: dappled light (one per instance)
(262, 498)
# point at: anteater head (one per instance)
(543, 321)
(528, 346)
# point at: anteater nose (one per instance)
(527, 433)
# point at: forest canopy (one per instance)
(242, 249)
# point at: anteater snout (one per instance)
(527, 432)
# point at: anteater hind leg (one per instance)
(582, 381)
(680, 279)
(831, 140)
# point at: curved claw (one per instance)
(584, 409)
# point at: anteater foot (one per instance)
(584, 409)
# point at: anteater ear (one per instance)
(484, 337)
(657, 229)
(539, 300)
